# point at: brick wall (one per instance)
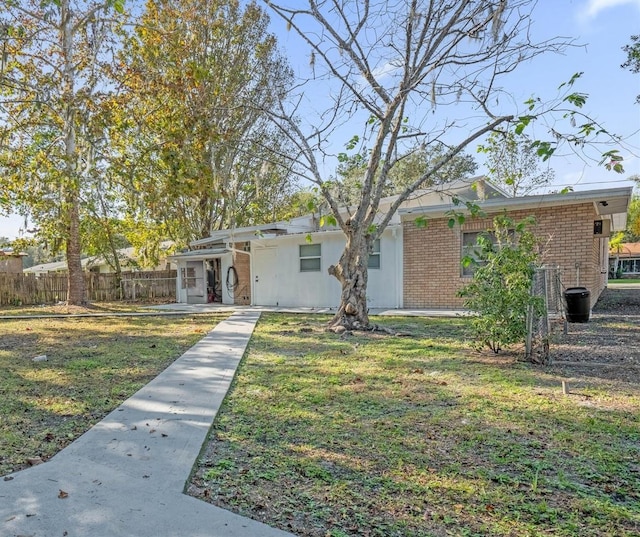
(432, 269)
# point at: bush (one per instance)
(500, 292)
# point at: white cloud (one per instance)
(594, 7)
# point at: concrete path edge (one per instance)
(126, 475)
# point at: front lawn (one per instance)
(376, 435)
(92, 365)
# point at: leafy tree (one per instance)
(633, 57)
(514, 163)
(500, 292)
(51, 82)
(632, 233)
(407, 170)
(615, 246)
(425, 73)
(197, 152)
(37, 253)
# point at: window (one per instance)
(374, 256)
(630, 266)
(188, 277)
(310, 257)
(471, 249)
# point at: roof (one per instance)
(627, 249)
(469, 189)
(613, 203)
(88, 262)
(56, 266)
(10, 252)
(200, 255)
(241, 234)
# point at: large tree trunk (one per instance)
(76, 286)
(76, 294)
(352, 273)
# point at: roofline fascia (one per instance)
(524, 202)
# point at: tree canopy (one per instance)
(52, 84)
(424, 74)
(124, 128)
(632, 62)
(198, 153)
(514, 163)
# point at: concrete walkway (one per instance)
(126, 475)
(217, 307)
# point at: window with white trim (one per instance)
(630, 266)
(374, 256)
(310, 257)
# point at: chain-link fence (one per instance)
(548, 286)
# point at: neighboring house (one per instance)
(411, 266)
(97, 264)
(625, 261)
(11, 261)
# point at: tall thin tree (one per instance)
(50, 81)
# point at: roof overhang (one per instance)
(242, 234)
(611, 203)
(200, 255)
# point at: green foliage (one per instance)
(201, 154)
(500, 290)
(633, 57)
(514, 159)
(404, 172)
(582, 132)
(632, 231)
(612, 160)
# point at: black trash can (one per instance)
(578, 302)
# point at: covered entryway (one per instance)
(200, 276)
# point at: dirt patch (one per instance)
(608, 345)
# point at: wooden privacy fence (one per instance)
(29, 289)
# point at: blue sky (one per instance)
(604, 27)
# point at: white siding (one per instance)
(276, 264)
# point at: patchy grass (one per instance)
(92, 365)
(417, 436)
(64, 309)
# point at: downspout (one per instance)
(234, 250)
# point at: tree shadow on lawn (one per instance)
(88, 372)
(415, 445)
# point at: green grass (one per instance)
(388, 436)
(63, 309)
(93, 365)
(624, 280)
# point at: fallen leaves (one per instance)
(62, 494)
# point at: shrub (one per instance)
(500, 292)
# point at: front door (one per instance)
(265, 277)
(195, 283)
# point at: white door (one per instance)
(265, 277)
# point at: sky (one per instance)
(603, 27)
